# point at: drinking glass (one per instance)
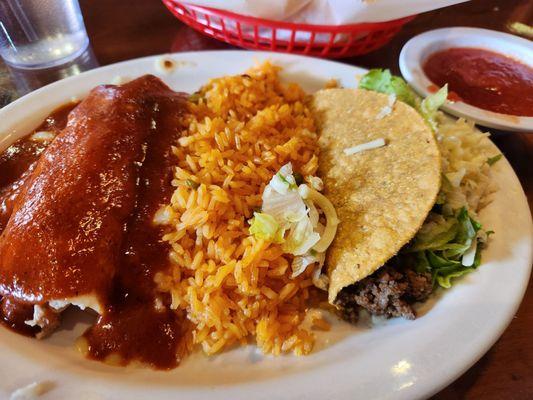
(41, 33)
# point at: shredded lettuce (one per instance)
(285, 208)
(301, 238)
(286, 218)
(434, 235)
(381, 80)
(264, 226)
(447, 246)
(289, 216)
(431, 104)
(283, 181)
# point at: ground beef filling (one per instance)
(389, 291)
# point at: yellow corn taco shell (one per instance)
(383, 195)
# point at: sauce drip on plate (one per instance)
(484, 79)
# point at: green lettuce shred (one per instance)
(264, 226)
(430, 105)
(439, 247)
(286, 181)
(381, 80)
(493, 160)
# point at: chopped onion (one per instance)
(300, 263)
(313, 213)
(320, 280)
(315, 182)
(374, 144)
(329, 211)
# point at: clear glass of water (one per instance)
(41, 33)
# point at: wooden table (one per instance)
(125, 29)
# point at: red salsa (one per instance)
(484, 79)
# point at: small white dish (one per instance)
(417, 50)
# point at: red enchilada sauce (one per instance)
(16, 164)
(138, 324)
(19, 158)
(142, 119)
(484, 79)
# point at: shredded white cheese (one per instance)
(31, 391)
(386, 110)
(163, 216)
(374, 144)
(38, 315)
(456, 177)
(82, 302)
(42, 136)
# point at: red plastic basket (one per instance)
(333, 41)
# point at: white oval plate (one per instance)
(417, 50)
(396, 359)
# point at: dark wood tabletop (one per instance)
(125, 29)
